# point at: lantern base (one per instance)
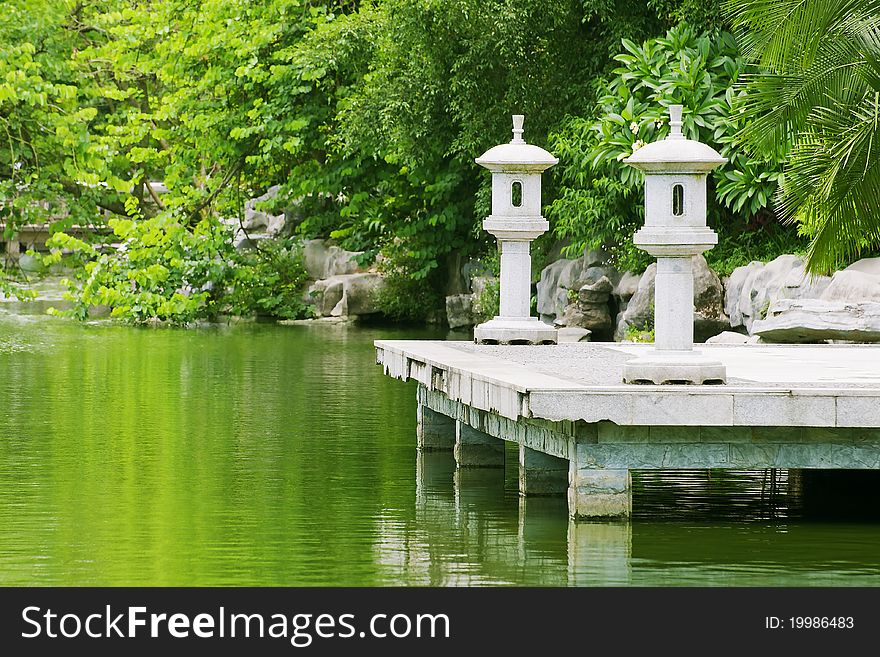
(514, 330)
(671, 367)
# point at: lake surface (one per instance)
(280, 455)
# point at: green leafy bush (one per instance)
(601, 199)
(163, 271)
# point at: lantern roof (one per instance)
(676, 153)
(517, 155)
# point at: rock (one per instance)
(548, 286)
(595, 318)
(708, 291)
(572, 334)
(593, 275)
(733, 289)
(753, 288)
(573, 272)
(325, 295)
(640, 309)
(30, 264)
(866, 265)
(559, 277)
(817, 320)
(255, 218)
(326, 261)
(460, 310)
(360, 293)
(257, 223)
(597, 292)
(853, 285)
(346, 294)
(709, 316)
(627, 286)
(729, 337)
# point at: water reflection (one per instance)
(272, 456)
(704, 529)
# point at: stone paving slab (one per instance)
(768, 385)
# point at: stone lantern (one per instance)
(675, 231)
(515, 221)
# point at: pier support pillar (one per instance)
(475, 449)
(541, 474)
(595, 493)
(435, 431)
(599, 552)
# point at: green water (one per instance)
(269, 455)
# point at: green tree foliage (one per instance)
(368, 115)
(600, 202)
(816, 100)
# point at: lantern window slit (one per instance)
(677, 200)
(516, 194)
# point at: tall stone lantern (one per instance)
(516, 221)
(675, 231)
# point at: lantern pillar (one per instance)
(515, 222)
(676, 170)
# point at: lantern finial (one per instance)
(518, 129)
(675, 122)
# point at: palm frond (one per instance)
(816, 90)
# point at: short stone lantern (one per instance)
(515, 221)
(675, 231)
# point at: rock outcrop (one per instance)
(857, 283)
(818, 320)
(257, 224)
(590, 310)
(559, 277)
(752, 289)
(324, 260)
(346, 295)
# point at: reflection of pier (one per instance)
(578, 429)
(470, 530)
(469, 527)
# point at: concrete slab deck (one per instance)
(768, 385)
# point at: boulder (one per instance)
(595, 318)
(460, 310)
(640, 309)
(573, 272)
(560, 276)
(866, 265)
(324, 260)
(853, 285)
(818, 320)
(753, 288)
(255, 218)
(30, 264)
(709, 316)
(588, 309)
(627, 286)
(325, 295)
(729, 337)
(548, 287)
(346, 294)
(733, 288)
(572, 334)
(597, 292)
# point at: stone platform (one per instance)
(580, 429)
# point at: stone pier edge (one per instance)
(601, 454)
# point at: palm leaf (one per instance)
(816, 90)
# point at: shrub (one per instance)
(600, 200)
